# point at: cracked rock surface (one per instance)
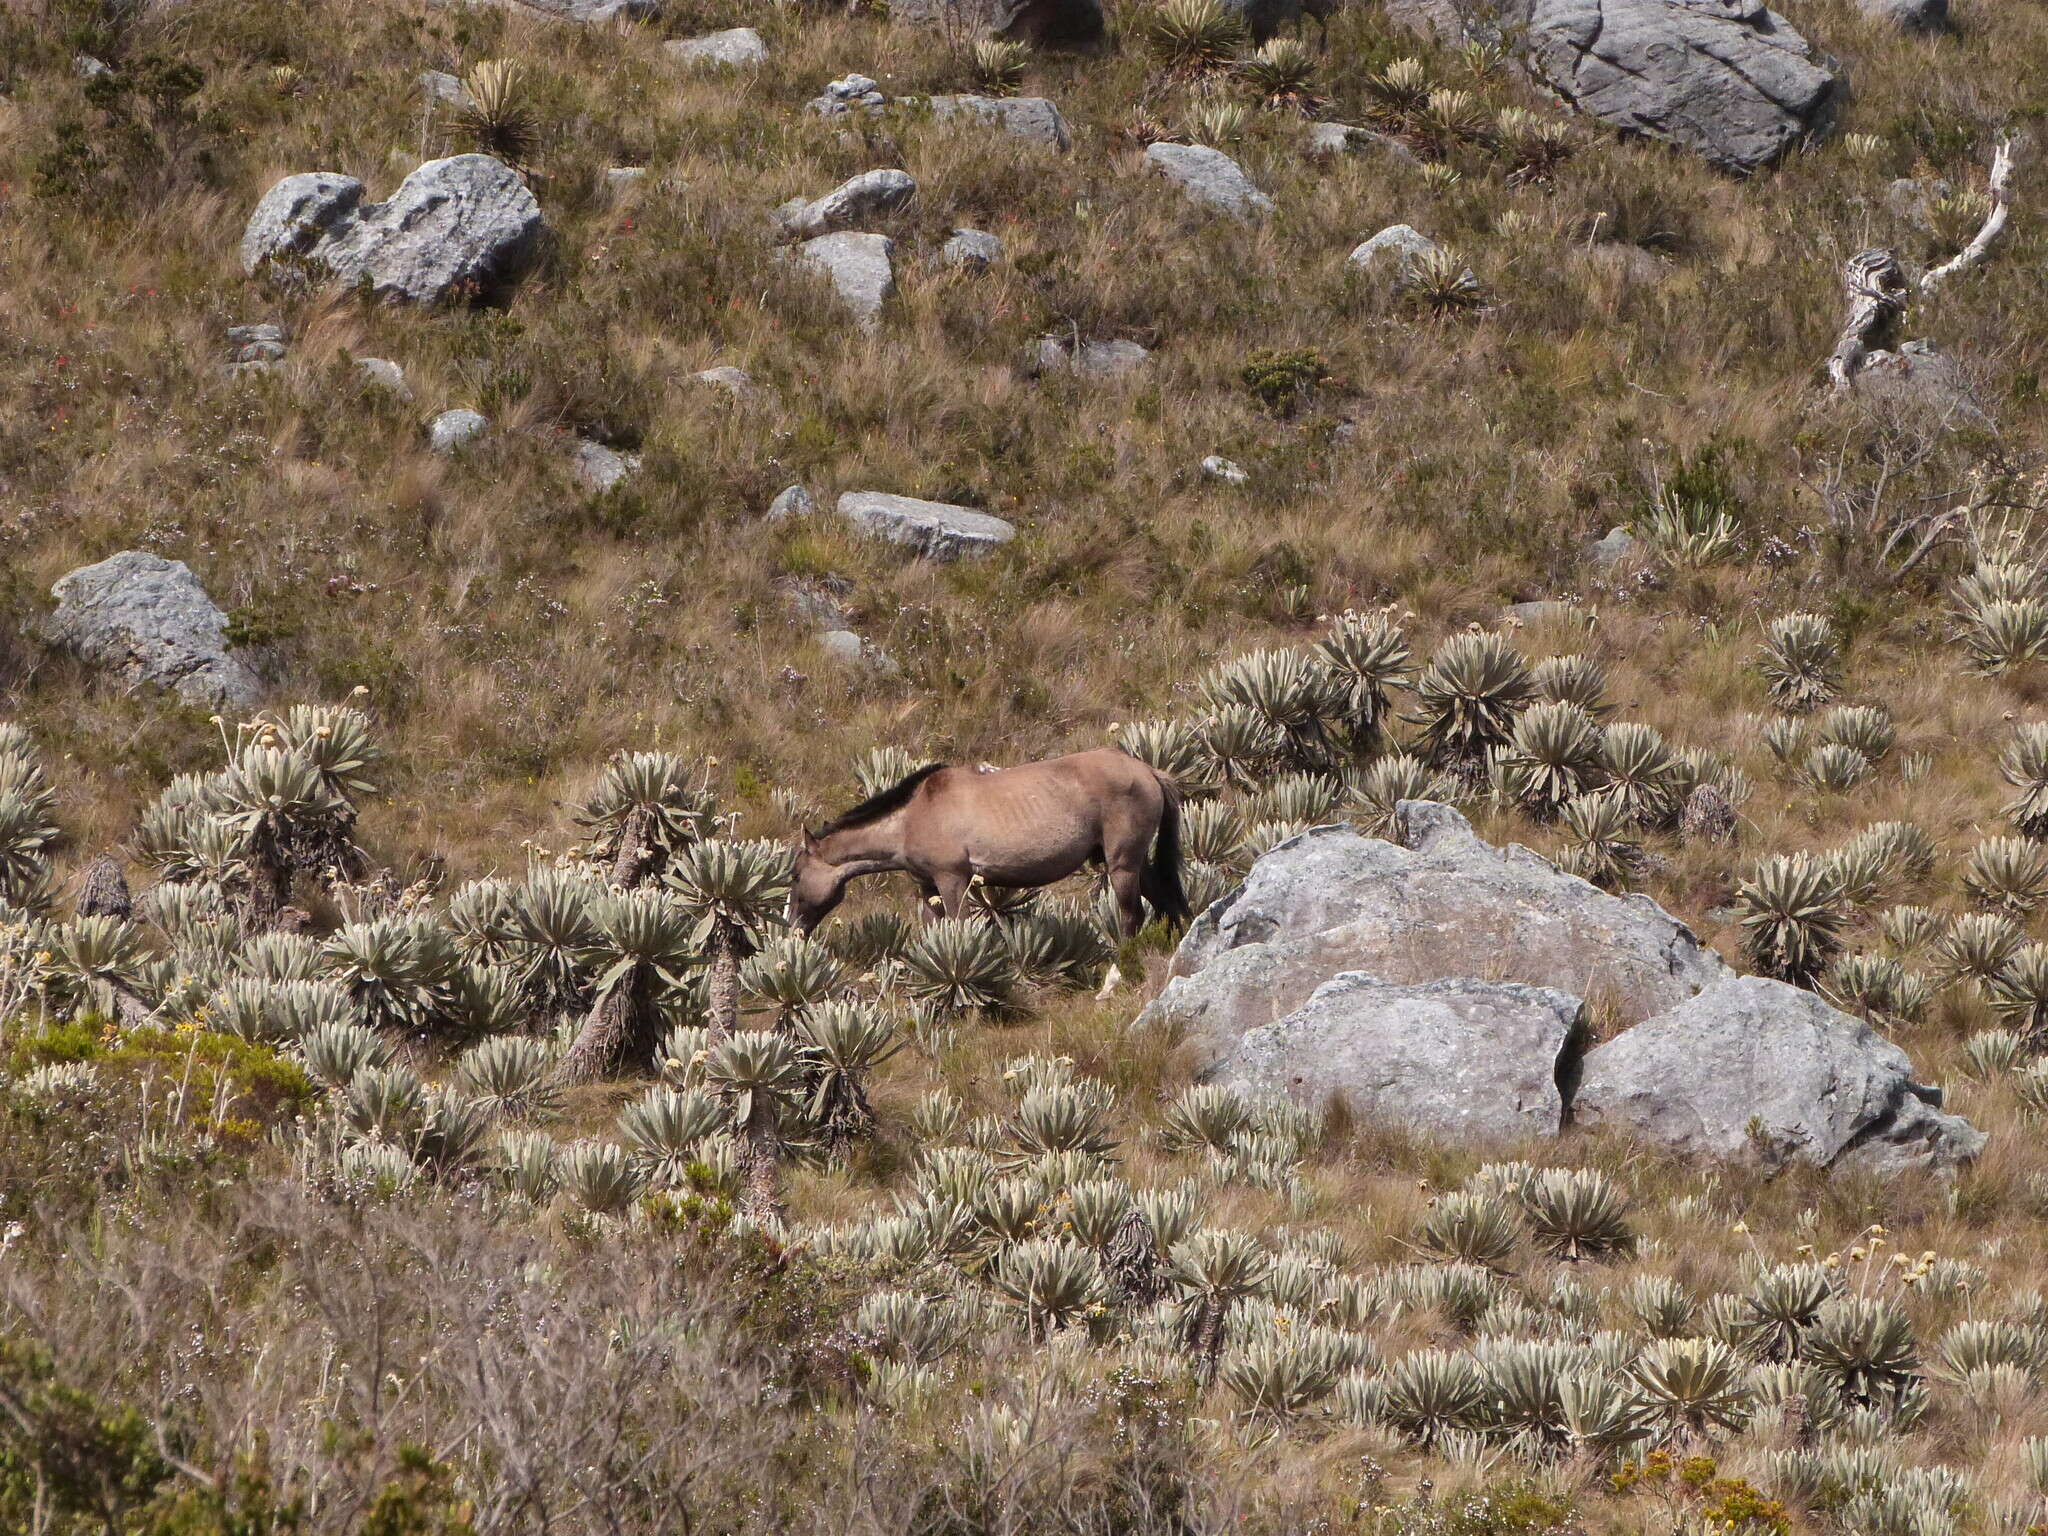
(1439, 981)
(1730, 80)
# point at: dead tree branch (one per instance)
(1876, 292)
(1973, 254)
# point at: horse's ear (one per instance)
(810, 841)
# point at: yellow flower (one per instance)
(1740, 1229)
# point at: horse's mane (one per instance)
(875, 807)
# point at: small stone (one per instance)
(791, 501)
(1027, 117)
(623, 178)
(451, 429)
(816, 603)
(734, 48)
(1210, 177)
(859, 267)
(446, 88)
(854, 93)
(934, 529)
(971, 248)
(86, 67)
(1332, 141)
(1542, 610)
(598, 468)
(1617, 546)
(1216, 467)
(382, 373)
(852, 202)
(1091, 359)
(257, 343)
(1398, 246)
(846, 646)
(736, 384)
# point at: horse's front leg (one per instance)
(951, 888)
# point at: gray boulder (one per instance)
(843, 645)
(596, 10)
(382, 373)
(1618, 545)
(1478, 1060)
(1730, 80)
(1920, 380)
(445, 88)
(147, 620)
(1909, 15)
(598, 468)
(971, 248)
(817, 603)
(1088, 359)
(461, 227)
(791, 501)
(1033, 21)
(256, 344)
(734, 48)
(736, 384)
(852, 202)
(934, 529)
(1210, 177)
(859, 267)
(1027, 117)
(1439, 903)
(1332, 141)
(852, 93)
(1216, 467)
(451, 429)
(1396, 247)
(1757, 1069)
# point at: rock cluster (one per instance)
(1443, 983)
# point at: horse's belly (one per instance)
(1016, 868)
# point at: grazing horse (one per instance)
(1017, 827)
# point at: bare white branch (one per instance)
(2002, 163)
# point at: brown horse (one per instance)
(1017, 827)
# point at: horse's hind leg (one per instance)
(1127, 882)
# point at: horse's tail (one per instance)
(1160, 884)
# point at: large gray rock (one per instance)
(1920, 380)
(1729, 80)
(147, 620)
(1439, 903)
(935, 529)
(1028, 117)
(461, 227)
(1210, 177)
(1034, 21)
(446, 88)
(860, 268)
(1472, 1059)
(734, 48)
(1757, 1069)
(1909, 15)
(852, 202)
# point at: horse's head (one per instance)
(816, 887)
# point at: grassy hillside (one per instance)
(220, 1308)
